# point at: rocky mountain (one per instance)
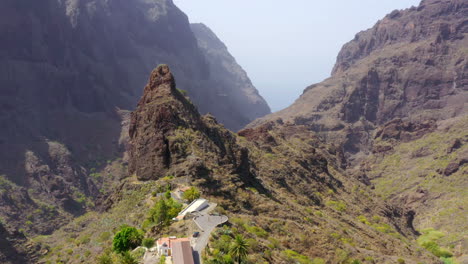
(229, 79)
(368, 166)
(68, 72)
(280, 185)
(396, 103)
(412, 64)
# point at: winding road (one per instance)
(207, 223)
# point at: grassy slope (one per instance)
(417, 165)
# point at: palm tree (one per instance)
(239, 248)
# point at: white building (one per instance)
(164, 245)
(195, 206)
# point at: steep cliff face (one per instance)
(411, 64)
(68, 71)
(161, 110)
(229, 79)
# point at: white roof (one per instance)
(194, 206)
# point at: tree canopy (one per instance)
(191, 194)
(126, 239)
(239, 248)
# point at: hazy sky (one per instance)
(287, 45)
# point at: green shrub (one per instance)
(258, 231)
(339, 206)
(384, 228)
(434, 248)
(162, 212)
(96, 176)
(318, 261)
(127, 258)
(80, 198)
(428, 241)
(401, 261)
(448, 260)
(127, 238)
(148, 242)
(191, 194)
(430, 235)
(363, 220)
(223, 244)
(295, 257)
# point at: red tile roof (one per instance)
(170, 241)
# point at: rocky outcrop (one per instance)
(162, 125)
(158, 113)
(405, 131)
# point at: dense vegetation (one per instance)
(126, 239)
(162, 213)
(429, 240)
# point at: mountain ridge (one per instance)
(407, 66)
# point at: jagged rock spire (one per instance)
(161, 110)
